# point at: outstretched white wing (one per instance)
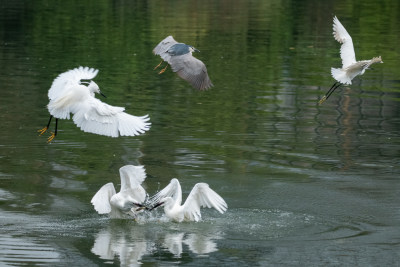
(347, 49)
(71, 77)
(162, 48)
(101, 200)
(131, 179)
(173, 189)
(202, 196)
(94, 116)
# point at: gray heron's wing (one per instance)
(192, 70)
(162, 48)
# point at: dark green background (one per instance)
(305, 184)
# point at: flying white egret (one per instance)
(179, 56)
(351, 68)
(200, 196)
(69, 94)
(128, 201)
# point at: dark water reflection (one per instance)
(305, 184)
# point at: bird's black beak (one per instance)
(102, 94)
(196, 50)
(156, 206)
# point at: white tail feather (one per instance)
(340, 76)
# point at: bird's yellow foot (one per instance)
(51, 137)
(322, 100)
(42, 131)
(157, 65)
(162, 71)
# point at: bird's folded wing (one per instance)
(347, 49)
(162, 48)
(97, 117)
(192, 70)
(101, 200)
(71, 77)
(202, 196)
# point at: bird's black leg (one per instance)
(330, 91)
(42, 131)
(53, 134)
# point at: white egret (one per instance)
(200, 196)
(128, 201)
(351, 68)
(179, 56)
(69, 94)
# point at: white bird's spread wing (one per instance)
(192, 70)
(131, 179)
(71, 77)
(202, 196)
(94, 116)
(132, 176)
(173, 189)
(162, 48)
(101, 200)
(347, 49)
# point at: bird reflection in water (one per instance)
(131, 245)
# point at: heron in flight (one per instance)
(127, 202)
(179, 56)
(351, 67)
(74, 92)
(200, 196)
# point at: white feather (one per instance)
(71, 77)
(67, 95)
(347, 49)
(350, 67)
(101, 200)
(200, 196)
(118, 205)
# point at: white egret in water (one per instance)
(73, 92)
(200, 196)
(179, 56)
(351, 68)
(127, 202)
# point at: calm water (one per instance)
(305, 184)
